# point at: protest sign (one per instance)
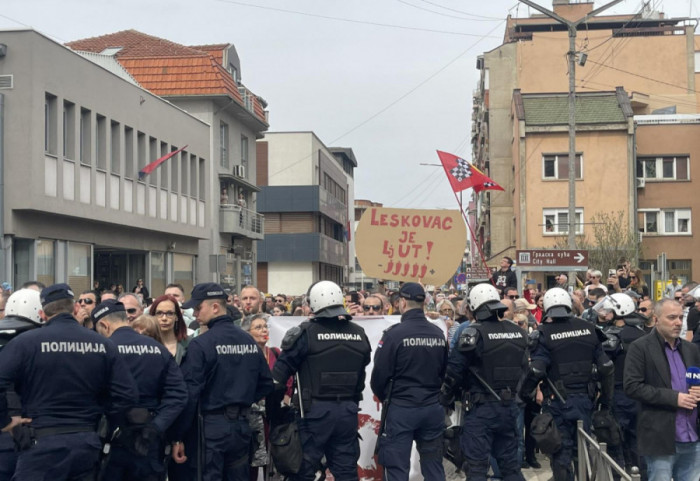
(410, 245)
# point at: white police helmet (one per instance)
(24, 303)
(326, 300)
(622, 304)
(556, 302)
(484, 301)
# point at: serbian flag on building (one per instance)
(463, 175)
(154, 165)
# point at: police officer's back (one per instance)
(225, 373)
(330, 354)
(21, 315)
(565, 351)
(64, 373)
(487, 364)
(409, 365)
(138, 451)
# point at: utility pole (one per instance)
(572, 27)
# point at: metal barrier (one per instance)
(594, 462)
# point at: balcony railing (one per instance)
(234, 219)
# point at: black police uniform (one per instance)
(409, 365)
(624, 408)
(496, 352)
(566, 350)
(225, 372)
(330, 355)
(64, 373)
(11, 327)
(162, 392)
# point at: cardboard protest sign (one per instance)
(410, 245)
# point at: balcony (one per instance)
(235, 220)
(306, 247)
(302, 198)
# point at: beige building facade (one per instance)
(647, 56)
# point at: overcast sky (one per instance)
(391, 79)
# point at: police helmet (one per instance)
(695, 293)
(24, 303)
(556, 303)
(622, 304)
(484, 301)
(326, 300)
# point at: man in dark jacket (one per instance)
(655, 375)
(505, 277)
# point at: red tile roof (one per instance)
(169, 69)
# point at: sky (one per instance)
(391, 79)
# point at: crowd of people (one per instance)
(127, 386)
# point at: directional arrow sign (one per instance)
(551, 259)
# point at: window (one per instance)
(223, 144)
(114, 148)
(129, 171)
(664, 168)
(244, 153)
(665, 221)
(152, 157)
(556, 166)
(165, 166)
(556, 221)
(50, 124)
(101, 142)
(69, 130)
(85, 136)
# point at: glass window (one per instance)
(85, 136)
(557, 221)
(157, 286)
(669, 221)
(45, 261)
(79, 266)
(223, 144)
(682, 168)
(183, 271)
(549, 170)
(69, 130)
(668, 167)
(557, 166)
(650, 222)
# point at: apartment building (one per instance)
(76, 132)
(668, 153)
(305, 192)
(648, 56)
(206, 81)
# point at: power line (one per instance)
(644, 77)
(349, 20)
(478, 18)
(399, 99)
(463, 12)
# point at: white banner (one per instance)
(370, 407)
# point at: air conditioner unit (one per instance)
(239, 171)
(641, 182)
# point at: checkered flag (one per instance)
(463, 175)
(462, 171)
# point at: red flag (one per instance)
(463, 175)
(154, 165)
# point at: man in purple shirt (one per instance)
(655, 370)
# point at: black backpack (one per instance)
(545, 433)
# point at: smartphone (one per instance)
(612, 272)
(355, 297)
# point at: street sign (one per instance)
(552, 259)
(480, 272)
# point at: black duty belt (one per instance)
(42, 432)
(233, 411)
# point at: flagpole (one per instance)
(478, 247)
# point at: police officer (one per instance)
(489, 360)
(138, 451)
(626, 327)
(21, 314)
(409, 365)
(330, 354)
(564, 351)
(225, 373)
(62, 373)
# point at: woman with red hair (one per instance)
(173, 329)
